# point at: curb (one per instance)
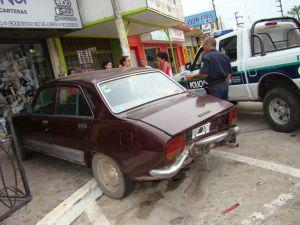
(71, 208)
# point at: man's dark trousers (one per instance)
(219, 90)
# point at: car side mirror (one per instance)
(188, 66)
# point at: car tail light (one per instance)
(175, 147)
(232, 116)
(271, 23)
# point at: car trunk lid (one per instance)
(175, 114)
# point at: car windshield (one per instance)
(128, 92)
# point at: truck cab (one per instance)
(266, 67)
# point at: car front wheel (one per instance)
(282, 110)
(110, 178)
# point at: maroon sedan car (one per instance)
(128, 125)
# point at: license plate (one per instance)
(199, 131)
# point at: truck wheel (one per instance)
(110, 178)
(282, 110)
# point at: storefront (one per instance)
(25, 62)
(88, 54)
(24, 65)
(159, 41)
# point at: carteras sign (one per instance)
(58, 14)
(200, 19)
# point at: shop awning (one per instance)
(140, 17)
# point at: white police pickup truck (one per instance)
(266, 67)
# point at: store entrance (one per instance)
(23, 68)
(151, 57)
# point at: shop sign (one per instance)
(161, 36)
(188, 41)
(168, 7)
(206, 28)
(177, 35)
(200, 19)
(57, 14)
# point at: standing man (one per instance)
(215, 68)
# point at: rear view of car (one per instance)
(128, 125)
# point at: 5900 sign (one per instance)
(64, 3)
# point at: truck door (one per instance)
(232, 47)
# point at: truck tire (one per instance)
(282, 110)
(110, 178)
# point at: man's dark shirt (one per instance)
(216, 65)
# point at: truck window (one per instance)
(229, 47)
(277, 37)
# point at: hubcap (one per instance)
(280, 111)
(108, 175)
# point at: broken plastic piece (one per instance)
(231, 208)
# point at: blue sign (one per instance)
(200, 19)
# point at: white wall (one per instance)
(93, 10)
(130, 5)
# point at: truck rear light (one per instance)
(271, 23)
(175, 147)
(232, 116)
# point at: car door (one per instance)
(70, 127)
(35, 129)
(238, 88)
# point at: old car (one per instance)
(127, 125)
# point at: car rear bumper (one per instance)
(188, 154)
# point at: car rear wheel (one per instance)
(282, 110)
(110, 178)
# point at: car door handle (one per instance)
(45, 122)
(82, 126)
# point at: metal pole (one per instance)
(121, 28)
(217, 22)
(172, 50)
(237, 19)
(280, 7)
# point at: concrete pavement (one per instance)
(262, 175)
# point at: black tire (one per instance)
(125, 185)
(282, 101)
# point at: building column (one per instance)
(55, 62)
(60, 53)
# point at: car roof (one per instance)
(101, 75)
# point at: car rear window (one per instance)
(129, 92)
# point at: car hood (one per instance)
(175, 114)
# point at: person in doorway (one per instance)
(164, 63)
(107, 65)
(215, 68)
(71, 71)
(125, 62)
(143, 63)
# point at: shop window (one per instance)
(71, 102)
(86, 54)
(229, 47)
(23, 67)
(44, 102)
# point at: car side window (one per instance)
(71, 102)
(43, 103)
(229, 47)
